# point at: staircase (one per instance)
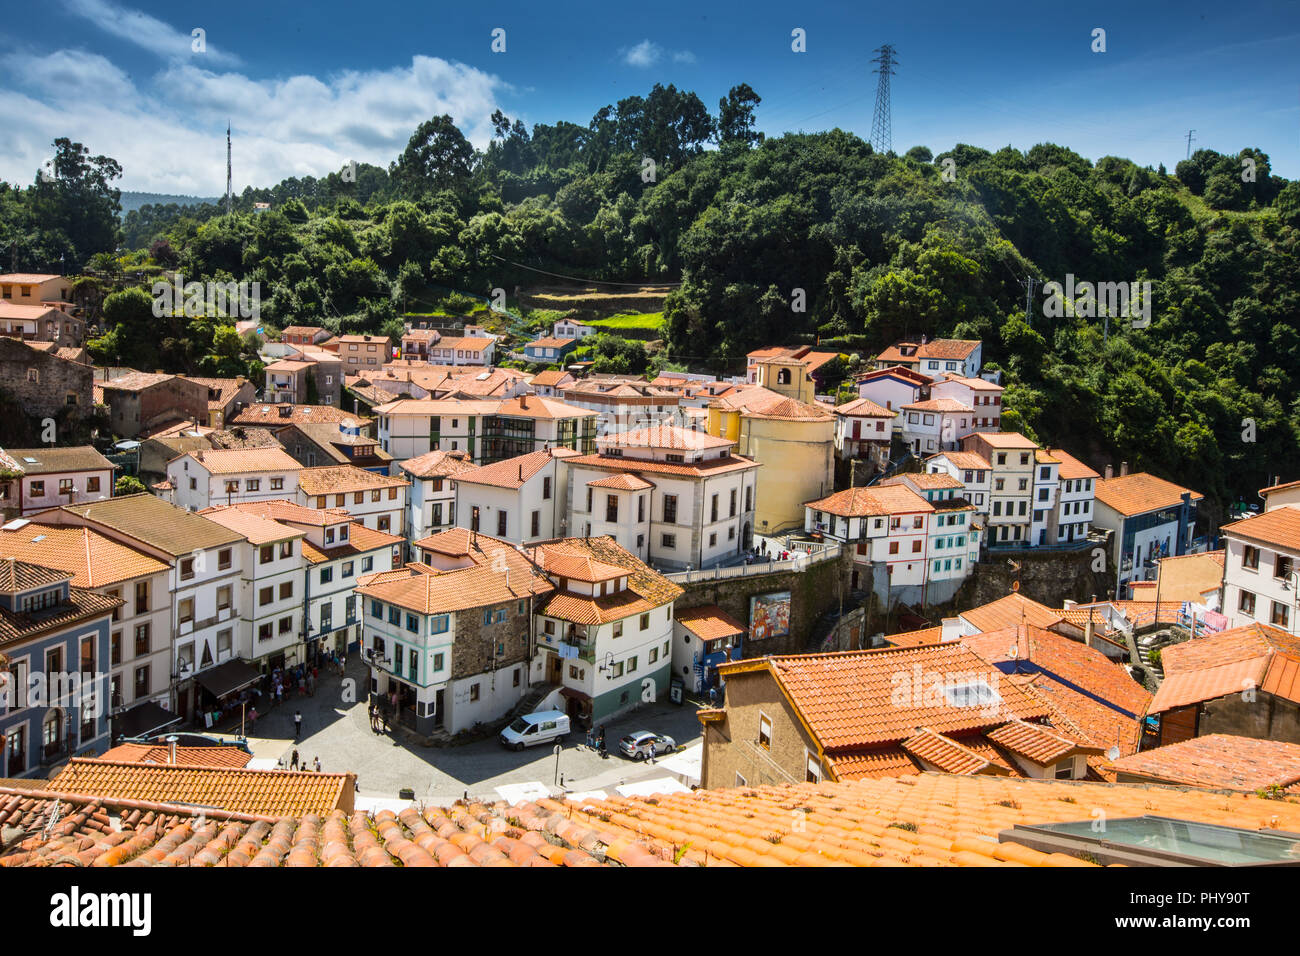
(530, 700)
(1145, 645)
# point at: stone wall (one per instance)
(27, 403)
(813, 593)
(1049, 577)
(472, 652)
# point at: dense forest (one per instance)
(808, 237)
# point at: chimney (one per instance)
(171, 750)
(1123, 469)
(1110, 472)
(1070, 605)
(1087, 633)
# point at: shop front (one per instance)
(225, 690)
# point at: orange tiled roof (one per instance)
(234, 461)
(948, 348)
(435, 464)
(926, 635)
(513, 472)
(276, 792)
(1218, 761)
(931, 819)
(1010, 611)
(621, 482)
(604, 550)
(709, 622)
(864, 407)
(950, 405)
(1036, 742)
(1255, 656)
(759, 402)
(1279, 528)
(965, 459)
(186, 756)
(537, 406)
(1139, 493)
(361, 540)
(930, 481)
(690, 469)
(271, 416)
(849, 700)
(1071, 468)
(666, 437)
(879, 499)
(340, 479)
(504, 575)
(1004, 440)
(254, 528)
(947, 754)
(92, 559)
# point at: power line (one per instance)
(579, 279)
(881, 137)
(1190, 137)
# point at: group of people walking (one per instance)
(293, 763)
(378, 718)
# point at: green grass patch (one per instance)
(635, 320)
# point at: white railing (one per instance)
(799, 561)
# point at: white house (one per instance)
(972, 470)
(572, 329)
(893, 387)
(205, 567)
(226, 476)
(336, 551)
(377, 501)
(466, 350)
(984, 398)
(864, 429)
(520, 500)
(270, 626)
(1047, 487)
(700, 509)
(604, 634)
(1151, 518)
(1260, 580)
(431, 504)
(936, 424)
(1075, 499)
(41, 478)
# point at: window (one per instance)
(142, 639)
(437, 662)
(546, 488)
(611, 508)
(185, 611)
(347, 569)
(916, 547)
(893, 547)
(253, 484)
(187, 568)
(814, 771)
(1281, 614)
(412, 624)
(1282, 567)
(367, 563)
(115, 649)
(286, 549)
(640, 508)
(286, 590)
(264, 631)
(501, 524)
(713, 508)
(670, 509)
(473, 692)
(286, 625)
(535, 524)
(374, 495)
(223, 641)
(1246, 603)
(384, 522)
(1065, 770)
(277, 484)
(266, 554)
(141, 597)
(439, 623)
(326, 575)
(618, 628)
(668, 541)
(224, 559)
(645, 620)
(764, 731)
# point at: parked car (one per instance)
(535, 728)
(644, 743)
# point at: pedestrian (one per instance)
(383, 716)
(252, 718)
(297, 724)
(318, 764)
(374, 717)
(293, 761)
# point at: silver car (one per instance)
(643, 744)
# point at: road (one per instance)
(337, 730)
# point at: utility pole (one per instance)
(1030, 282)
(1189, 142)
(229, 190)
(881, 136)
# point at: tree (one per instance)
(438, 156)
(74, 196)
(736, 116)
(128, 485)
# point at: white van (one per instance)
(538, 728)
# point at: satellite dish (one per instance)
(1014, 652)
(1112, 753)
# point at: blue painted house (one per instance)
(549, 350)
(54, 678)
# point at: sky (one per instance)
(309, 88)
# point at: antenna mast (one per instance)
(881, 137)
(230, 197)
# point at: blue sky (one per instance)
(309, 88)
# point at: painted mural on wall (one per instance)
(769, 615)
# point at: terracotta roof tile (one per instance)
(273, 792)
(187, 756)
(340, 479)
(1139, 493)
(1278, 528)
(437, 464)
(1218, 761)
(877, 500)
(709, 622)
(92, 559)
(234, 461)
(1010, 611)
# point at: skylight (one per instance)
(971, 694)
(1158, 841)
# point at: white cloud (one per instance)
(644, 53)
(168, 131)
(683, 56)
(147, 32)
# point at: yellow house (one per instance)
(792, 372)
(793, 440)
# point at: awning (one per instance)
(575, 694)
(145, 720)
(225, 679)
